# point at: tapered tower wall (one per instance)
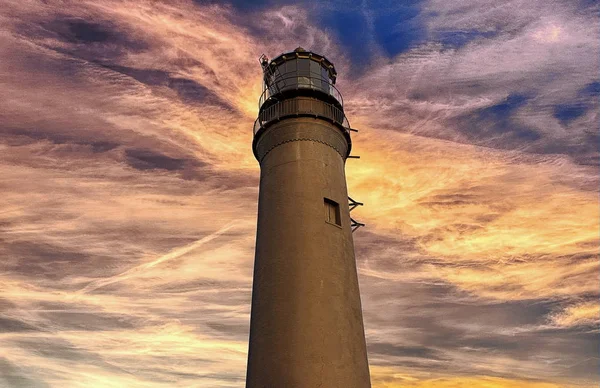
(306, 321)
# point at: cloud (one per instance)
(390, 378)
(582, 314)
(468, 93)
(129, 188)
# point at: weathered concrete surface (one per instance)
(306, 326)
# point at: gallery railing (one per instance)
(301, 106)
(294, 82)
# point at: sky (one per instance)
(129, 189)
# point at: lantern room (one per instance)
(299, 73)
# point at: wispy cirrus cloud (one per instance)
(129, 187)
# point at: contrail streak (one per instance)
(178, 252)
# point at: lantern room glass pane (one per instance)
(291, 66)
(324, 74)
(324, 85)
(303, 66)
(315, 69)
(304, 82)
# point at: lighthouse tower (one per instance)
(306, 327)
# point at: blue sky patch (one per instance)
(351, 28)
(393, 28)
(505, 108)
(566, 113)
(486, 123)
(398, 30)
(570, 111)
(591, 89)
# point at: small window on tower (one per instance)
(332, 212)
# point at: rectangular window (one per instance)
(332, 212)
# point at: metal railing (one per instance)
(301, 106)
(295, 82)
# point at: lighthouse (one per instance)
(306, 327)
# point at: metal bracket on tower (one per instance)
(353, 205)
(355, 224)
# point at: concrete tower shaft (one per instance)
(306, 326)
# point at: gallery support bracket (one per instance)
(352, 204)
